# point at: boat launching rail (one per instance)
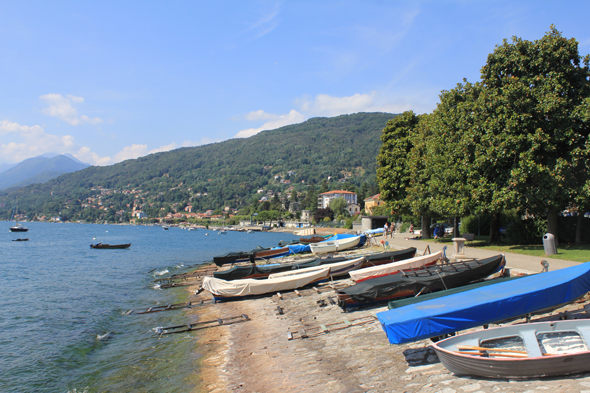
(330, 327)
(202, 325)
(168, 307)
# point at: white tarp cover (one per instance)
(335, 245)
(336, 269)
(251, 286)
(392, 268)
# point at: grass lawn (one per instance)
(568, 252)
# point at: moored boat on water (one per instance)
(417, 281)
(110, 246)
(490, 304)
(543, 349)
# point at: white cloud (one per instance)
(277, 121)
(326, 105)
(30, 141)
(62, 108)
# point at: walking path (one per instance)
(515, 261)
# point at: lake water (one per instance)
(63, 322)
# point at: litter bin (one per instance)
(549, 244)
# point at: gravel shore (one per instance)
(258, 355)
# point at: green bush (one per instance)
(529, 231)
(405, 226)
(469, 224)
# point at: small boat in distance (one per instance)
(102, 245)
(20, 240)
(529, 350)
(17, 227)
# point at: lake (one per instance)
(63, 305)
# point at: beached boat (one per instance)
(313, 239)
(335, 245)
(258, 253)
(543, 349)
(417, 281)
(230, 290)
(395, 267)
(110, 246)
(263, 271)
(491, 304)
(338, 269)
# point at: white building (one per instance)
(325, 198)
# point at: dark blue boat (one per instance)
(490, 304)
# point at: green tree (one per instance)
(533, 135)
(338, 206)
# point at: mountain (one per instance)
(38, 170)
(5, 166)
(228, 173)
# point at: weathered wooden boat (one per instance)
(395, 267)
(490, 304)
(335, 245)
(231, 290)
(543, 349)
(313, 239)
(258, 253)
(110, 246)
(417, 281)
(263, 271)
(338, 269)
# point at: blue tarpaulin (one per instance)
(298, 248)
(485, 305)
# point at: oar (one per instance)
(474, 348)
(505, 355)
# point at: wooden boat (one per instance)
(231, 290)
(250, 256)
(338, 269)
(395, 267)
(20, 240)
(263, 271)
(417, 281)
(313, 239)
(110, 246)
(543, 349)
(335, 245)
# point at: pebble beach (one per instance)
(283, 348)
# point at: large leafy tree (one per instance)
(401, 172)
(533, 137)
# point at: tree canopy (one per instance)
(517, 139)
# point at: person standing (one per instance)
(392, 230)
(385, 230)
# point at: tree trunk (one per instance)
(579, 228)
(425, 227)
(552, 222)
(495, 228)
(456, 232)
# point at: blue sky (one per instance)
(112, 80)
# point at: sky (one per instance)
(108, 81)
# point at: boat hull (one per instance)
(19, 229)
(110, 246)
(535, 363)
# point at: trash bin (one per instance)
(549, 244)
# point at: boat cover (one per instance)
(397, 303)
(250, 286)
(394, 267)
(485, 305)
(299, 249)
(240, 272)
(336, 269)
